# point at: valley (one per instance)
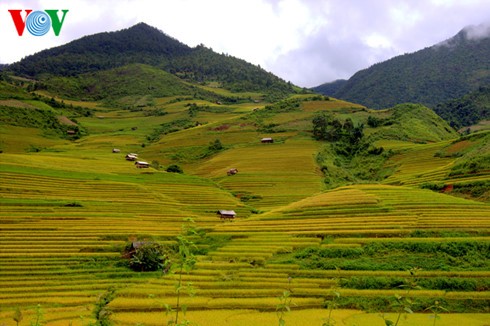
(69, 206)
(264, 203)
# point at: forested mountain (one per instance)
(330, 88)
(430, 76)
(467, 110)
(147, 45)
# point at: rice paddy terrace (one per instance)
(68, 210)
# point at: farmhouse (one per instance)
(142, 164)
(267, 140)
(226, 214)
(131, 157)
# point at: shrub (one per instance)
(215, 146)
(146, 256)
(174, 168)
(73, 204)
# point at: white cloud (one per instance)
(305, 41)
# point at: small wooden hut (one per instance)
(267, 140)
(226, 214)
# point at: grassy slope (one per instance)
(124, 85)
(117, 202)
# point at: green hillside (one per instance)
(120, 84)
(144, 44)
(436, 74)
(467, 110)
(414, 123)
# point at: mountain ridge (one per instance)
(144, 44)
(447, 70)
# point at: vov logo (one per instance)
(38, 23)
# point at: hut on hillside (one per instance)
(267, 140)
(131, 157)
(142, 164)
(232, 171)
(226, 214)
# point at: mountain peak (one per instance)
(467, 34)
(144, 44)
(436, 74)
(140, 43)
(475, 32)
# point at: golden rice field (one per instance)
(51, 253)
(66, 214)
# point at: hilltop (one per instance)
(436, 74)
(144, 44)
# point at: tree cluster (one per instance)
(346, 136)
(147, 256)
(467, 110)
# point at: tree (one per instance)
(348, 125)
(356, 134)
(215, 146)
(148, 256)
(326, 127)
(17, 316)
(320, 123)
(185, 260)
(174, 168)
(373, 121)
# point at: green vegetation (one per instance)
(414, 123)
(200, 64)
(348, 208)
(174, 168)
(169, 127)
(283, 307)
(467, 110)
(185, 261)
(121, 86)
(430, 76)
(330, 88)
(101, 312)
(473, 152)
(146, 256)
(464, 256)
(351, 155)
(17, 317)
(348, 158)
(27, 117)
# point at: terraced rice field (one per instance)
(66, 215)
(268, 172)
(419, 164)
(62, 235)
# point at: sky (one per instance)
(307, 42)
